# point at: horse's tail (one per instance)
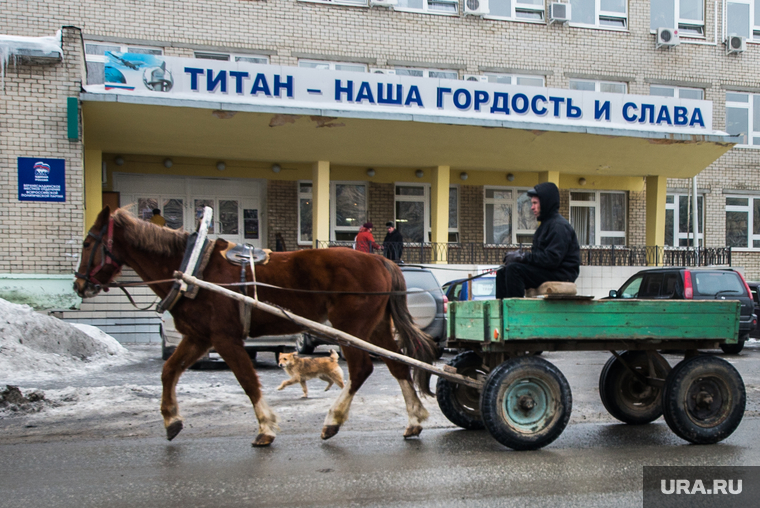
(414, 342)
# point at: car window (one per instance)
(651, 286)
(718, 283)
(422, 280)
(669, 284)
(484, 288)
(631, 288)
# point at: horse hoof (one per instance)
(263, 440)
(173, 429)
(329, 431)
(412, 431)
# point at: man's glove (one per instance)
(515, 256)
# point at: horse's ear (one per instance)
(103, 216)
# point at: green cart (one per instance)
(525, 401)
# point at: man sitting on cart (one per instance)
(555, 255)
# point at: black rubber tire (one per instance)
(304, 346)
(547, 399)
(459, 403)
(723, 399)
(735, 349)
(166, 351)
(624, 396)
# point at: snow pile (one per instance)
(36, 347)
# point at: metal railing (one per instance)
(493, 254)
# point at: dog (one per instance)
(301, 370)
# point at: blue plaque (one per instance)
(41, 179)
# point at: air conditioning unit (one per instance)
(476, 77)
(392, 72)
(559, 13)
(383, 3)
(667, 37)
(476, 7)
(736, 44)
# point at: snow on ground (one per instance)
(35, 347)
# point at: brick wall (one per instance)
(380, 207)
(471, 213)
(39, 237)
(282, 213)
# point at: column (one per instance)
(320, 212)
(93, 186)
(549, 176)
(439, 213)
(655, 235)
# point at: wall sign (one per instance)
(41, 179)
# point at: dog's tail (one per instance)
(334, 355)
(414, 342)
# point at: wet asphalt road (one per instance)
(595, 462)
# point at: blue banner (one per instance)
(41, 179)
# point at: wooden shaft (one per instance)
(337, 335)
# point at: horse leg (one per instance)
(359, 369)
(233, 353)
(415, 411)
(186, 354)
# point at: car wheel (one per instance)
(734, 349)
(304, 346)
(704, 399)
(166, 351)
(460, 403)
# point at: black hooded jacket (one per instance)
(555, 246)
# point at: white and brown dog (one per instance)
(301, 370)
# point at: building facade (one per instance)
(314, 171)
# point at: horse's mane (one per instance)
(150, 237)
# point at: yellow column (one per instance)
(439, 219)
(320, 211)
(655, 236)
(93, 186)
(549, 176)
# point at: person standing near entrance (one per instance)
(365, 242)
(157, 219)
(393, 244)
(554, 256)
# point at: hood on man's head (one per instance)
(548, 194)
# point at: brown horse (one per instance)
(213, 320)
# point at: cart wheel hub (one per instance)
(704, 400)
(526, 403)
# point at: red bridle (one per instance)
(106, 258)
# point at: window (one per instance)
(677, 92)
(341, 2)
(743, 221)
(348, 209)
(598, 218)
(453, 214)
(598, 86)
(515, 79)
(95, 56)
(413, 212)
(333, 66)
(304, 213)
(743, 117)
(508, 219)
(600, 13)
(688, 16)
(429, 6)
(743, 18)
(678, 208)
(172, 209)
(226, 57)
(426, 73)
(522, 10)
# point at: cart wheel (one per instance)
(460, 403)
(624, 395)
(703, 399)
(526, 403)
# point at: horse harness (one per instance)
(106, 258)
(246, 255)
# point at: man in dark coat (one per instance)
(393, 245)
(555, 254)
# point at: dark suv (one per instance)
(695, 284)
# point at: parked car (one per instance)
(695, 284)
(428, 308)
(462, 290)
(754, 287)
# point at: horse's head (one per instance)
(99, 264)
